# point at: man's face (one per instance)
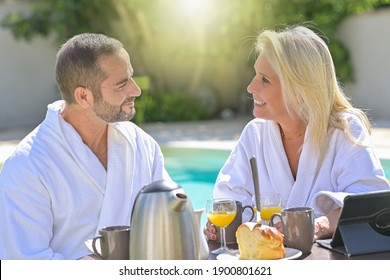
(118, 91)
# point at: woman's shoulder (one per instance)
(255, 123)
(256, 128)
(356, 126)
(259, 125)
(353, 120)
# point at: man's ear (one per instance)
(83, 96)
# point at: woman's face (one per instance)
(266, 91)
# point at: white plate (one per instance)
(290, 254)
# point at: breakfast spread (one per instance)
(259, 242)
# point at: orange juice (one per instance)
(267, 211)
(221, 218)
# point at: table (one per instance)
(317, 253)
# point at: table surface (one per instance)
(317, 253)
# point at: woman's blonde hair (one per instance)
(310, 88)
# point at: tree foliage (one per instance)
(325, 15)
(64, 18)
(183, 50)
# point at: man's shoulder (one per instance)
(129, 127)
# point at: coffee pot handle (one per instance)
(253, 211)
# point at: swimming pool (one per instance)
(386, 166)
(196, 169)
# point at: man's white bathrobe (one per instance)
(55, 194)
(346, 168)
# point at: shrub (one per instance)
(167, 106)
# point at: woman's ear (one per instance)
(83, 96)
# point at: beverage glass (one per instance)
(230, 230)
(270, 203)
(221, 212)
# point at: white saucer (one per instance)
(290, 254)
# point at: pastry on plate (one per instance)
(259, 242)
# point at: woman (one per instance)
(312, 146)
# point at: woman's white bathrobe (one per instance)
(55, 194)
(346, 168)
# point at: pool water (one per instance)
(386, 166)
(196, 170)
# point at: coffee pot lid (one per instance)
(160, 186)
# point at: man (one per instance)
(82, 167)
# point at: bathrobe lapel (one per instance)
(306, 177)
(84, 157)
(120, 172)
(293, 192)
(275, 158)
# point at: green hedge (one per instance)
(165, 106)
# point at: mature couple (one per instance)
(83, 166)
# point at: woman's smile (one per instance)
(259, 102)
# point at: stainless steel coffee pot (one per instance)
(163, 224)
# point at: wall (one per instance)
(27, 78)
(367, 37)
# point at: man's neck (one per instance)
(92, 131)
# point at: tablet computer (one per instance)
(363, 226)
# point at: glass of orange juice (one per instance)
(221, 212)
(270, 203)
